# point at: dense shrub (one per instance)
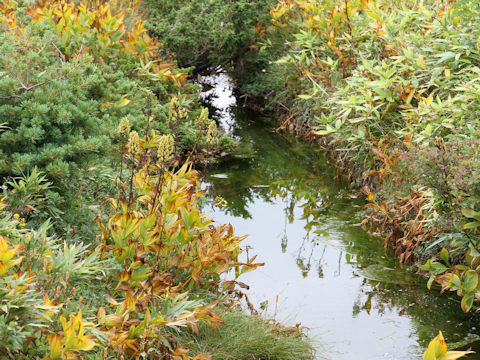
(51, 109)
(206, 33)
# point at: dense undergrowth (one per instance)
(104, 250)
(207, 34)
(390, 89)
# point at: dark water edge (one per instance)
(321, 271)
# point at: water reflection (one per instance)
(329, 275)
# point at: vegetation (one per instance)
(210, 33)
(389, 89)
(437, 350)
(248, 335)
(140, 284)
(104, 250)
(66, 80)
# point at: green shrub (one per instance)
(206, 33)
(50, 109)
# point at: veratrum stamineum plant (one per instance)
(126, 296)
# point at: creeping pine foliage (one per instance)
(53, 75)
(390, 89)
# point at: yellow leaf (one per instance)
(3, 268)
(113, 320)
(447, 73)
(454, 355)
(85, 343)
(122, 102)
(436, 349)
(55, 342)
(68, 331)
(129, 303)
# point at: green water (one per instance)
(320, 271)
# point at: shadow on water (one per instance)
(320, 270)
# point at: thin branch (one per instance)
(79, 53)
(316, 84)
(28, 75)
(19, 80)
(62, 57)
(9, 29)
(27, 88)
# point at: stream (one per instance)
(354, 297)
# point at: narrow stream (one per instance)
(320, 271)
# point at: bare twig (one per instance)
(79, 53)
(19, 80)
(27, 88)
(316, 84)
(62, 57)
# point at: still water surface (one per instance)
(320, 271)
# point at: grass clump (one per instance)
(249, 337)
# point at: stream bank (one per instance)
(320, 271)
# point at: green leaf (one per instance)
(430, 282)
(471, 280)
(305, 97)
(186, 217)
(428, 130)
(328, 130)
(140, 274)
(467, 302)
(469, 213)
(170, 219)
(471, 225)
(444, 256)
(456, 282)
(438, 268)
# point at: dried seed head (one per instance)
(212, 132)
(133, 145)
(202, 121)
(165, 148)
(124, 127)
